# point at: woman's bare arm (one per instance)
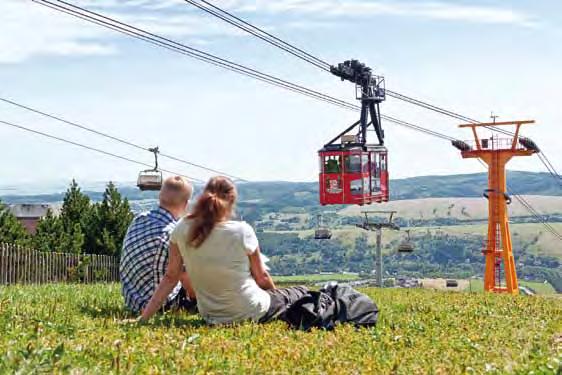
(259, 273)
(186, 283)
(167, 284)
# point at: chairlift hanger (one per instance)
(151, 179)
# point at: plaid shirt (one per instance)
(145, 257)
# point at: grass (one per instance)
(83, 329)
(477, 285)
(317, 278)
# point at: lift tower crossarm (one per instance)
(496, 153)
(503, 123)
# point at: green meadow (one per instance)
(85, 329)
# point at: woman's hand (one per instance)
(259, 273)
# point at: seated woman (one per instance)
(222, 259)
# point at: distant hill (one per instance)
(305, 194)
(471, 185)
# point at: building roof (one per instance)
(32, 211)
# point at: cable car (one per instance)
(151, 179)
(353, 175)
(352, 171)
(406, 246)
(322, 232)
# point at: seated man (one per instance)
(145, 250)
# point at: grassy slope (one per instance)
(477, 285)
(82, 328)
(458, 208)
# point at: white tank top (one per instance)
(219, 270)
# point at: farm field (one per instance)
(84, 329)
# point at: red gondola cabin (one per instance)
(353, 175)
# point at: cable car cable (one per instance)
(120, 140)
(303, 55)
(107, 153)
(260, 33)
(181, 48)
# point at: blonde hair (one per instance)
(213, 206)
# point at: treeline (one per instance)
(82, 227)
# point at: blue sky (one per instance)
(472, 57)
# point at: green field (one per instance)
(477, 285)
(295, 279)
(84, 329)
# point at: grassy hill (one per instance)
(304, 194)
(85, 329)
(462, 209)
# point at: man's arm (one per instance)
(259, 273)
(167, 284)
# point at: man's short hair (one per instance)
(175, 191)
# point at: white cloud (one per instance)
(29, 30)
(358, 8)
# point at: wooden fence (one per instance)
(19, 265)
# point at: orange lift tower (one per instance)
(496, 152)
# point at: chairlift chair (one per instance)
(321, 232)
(406, 246)
(151, 179)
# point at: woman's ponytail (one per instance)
(213, 206)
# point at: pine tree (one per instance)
(11, 230)
(67, 232)
(112, 217)
(75, 208)
(73, 241)
(50, 234)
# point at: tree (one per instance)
(11, 230)
(49, 236)
(76, 208)
(66, 233)
(73, 241)
(111, 218)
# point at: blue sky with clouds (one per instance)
(473, 57)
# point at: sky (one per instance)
(471, 57)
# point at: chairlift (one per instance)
(151, 179)
(406, 246)
(322, 232)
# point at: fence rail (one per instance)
(19, 265)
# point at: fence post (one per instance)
(3, 278)
(27, 266)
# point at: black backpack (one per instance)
(332, 305)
